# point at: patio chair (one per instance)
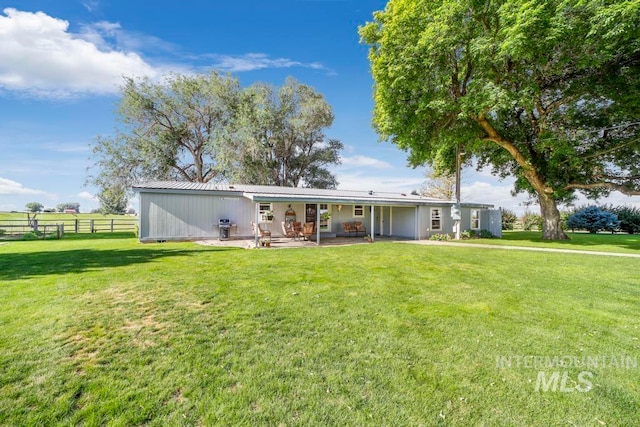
(359, 228)
(288, 231)
(348, 228)
(261, 232)
(308, 229)
(297, 228)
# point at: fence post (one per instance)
(112, 225)
(77, 226)
(60, 230)
(91, 226)
(35, 225)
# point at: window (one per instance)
(358, 211)
(325, 217)
(265, 212)
(436, 218)
(475, 219)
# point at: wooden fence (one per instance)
(13, 228)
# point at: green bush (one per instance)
(484, 234)
(593, 219)
(467, 234)
(628, 216)
(509, 219)
(531, 221)
(2, 232)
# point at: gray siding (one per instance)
(191, 216)
(404, 222)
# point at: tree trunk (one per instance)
(551, 227)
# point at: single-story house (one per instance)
(192, 211)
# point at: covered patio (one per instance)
(335, 217)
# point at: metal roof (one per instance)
(266, 193)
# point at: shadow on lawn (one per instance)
(14, 266)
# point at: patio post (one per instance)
(255, 229)
(390, 220)
(318, 224)
(373, 222)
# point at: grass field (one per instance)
(106, 330)
(56, 216)
(17, 223)
(602, 242)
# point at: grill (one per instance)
(224, 225)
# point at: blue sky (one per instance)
(61, 63)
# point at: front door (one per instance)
(310, 213)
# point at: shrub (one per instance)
(593, 219)
(531, 221)
(628, 216)
(509, 219)
(2, 232)
(467, 234)
(31, 235)
(484, 234)
(440, 237)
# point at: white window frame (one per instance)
(435, 214)
(474, 217)
(262, 210)
(358, 208)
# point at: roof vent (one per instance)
(403, 194)
(371, 192)
(231, 187)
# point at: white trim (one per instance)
(261, 205)
(439, 218)
(471, 219)
(373, 222)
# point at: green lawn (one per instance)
(603, 242)
(110, 331)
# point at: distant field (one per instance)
(16, 223)
(11, 216)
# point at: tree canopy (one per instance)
(206, 128)
(280, 140)
(543, 90)
(34, 207)
(439, 185)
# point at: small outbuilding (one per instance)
(194, 211)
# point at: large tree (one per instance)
(543, 90)
(167, 130)
(34, 207)
(205, 127)
(439, 185)
(280, 140)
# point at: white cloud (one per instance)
(365, 161)
(8, 207)
(14, 188)
(497, 195)
(257, 61)
(364, 182)
(39, 55)
(105, 34)
(86, 196)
